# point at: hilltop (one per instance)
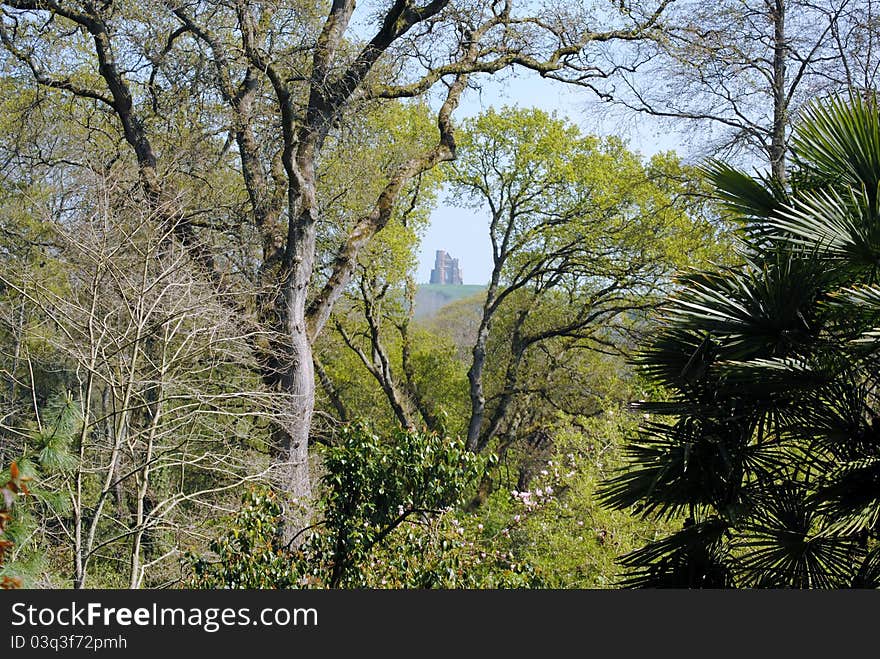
(430, 298)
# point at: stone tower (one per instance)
(446, 270)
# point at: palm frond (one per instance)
(692, 462)
(695, 557)
(773, 374)
(860, 305)
(763, 310)
(775, 377)
(840, 226)
(839, 140)
(835, 422)
(748, 198)
(868, 575)
(784, 546)
(867, 297)
(850, 496)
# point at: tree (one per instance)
(744, 70)
(156, 409)
(287, 79)
(374, 314)
(584, 234)
(769, 453)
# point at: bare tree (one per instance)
(742, 69)
(857, 40)
(163, 407)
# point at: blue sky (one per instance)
(464, 233)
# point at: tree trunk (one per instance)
(475, 372)
(297, 367)
(475, 378)
(780, 104)
(517, 351)
(478, 363)
(331, 392)
(299, 385)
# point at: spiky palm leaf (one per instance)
(773, 376)
(678, 357)
(764, 309)
(693, 462)
(749, 199)
(836, 422)
(839, 141)
(862, 305)
(850, 496)
(841, 226)
(695, 557)
(864, 297)
(786, 548)
(868, 575)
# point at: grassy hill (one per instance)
(430, 298)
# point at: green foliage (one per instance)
(553, 522)
(121, 363)
(384, 521)
(586, 236)
(769, 446)
(45, 461)
(451, 551)
(251, 554)
(376, 484)
(612, 214)
(62, 420)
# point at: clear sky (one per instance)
(463, 233)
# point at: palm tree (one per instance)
(768, 447)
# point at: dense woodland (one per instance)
(211, 214)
